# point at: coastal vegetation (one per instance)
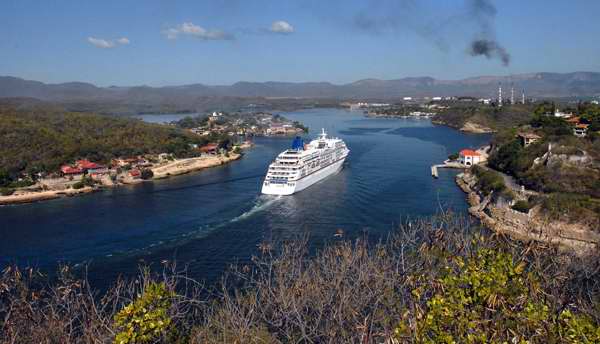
(41, 141)
(457, 114)
(565, 168)
(489, 181)
(439, 280)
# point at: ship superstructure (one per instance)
(303, 165)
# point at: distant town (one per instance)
(245, 124)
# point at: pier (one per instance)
(446, 164)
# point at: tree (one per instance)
(5, 178)
(146, 173)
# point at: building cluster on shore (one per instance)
(242, 124)
(84, 175)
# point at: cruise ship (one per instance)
(303, 165)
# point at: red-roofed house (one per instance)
(469, 157)
(135, 173)
(209, 148)
(580, 129)
(70, 170)
(86, 164)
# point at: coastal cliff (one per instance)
(498, 216)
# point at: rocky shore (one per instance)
(502, 219)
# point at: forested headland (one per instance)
(41, 140)
(562, 166)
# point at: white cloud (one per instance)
(199, 32)
(282, 27)
(101, 43)
(107, 44)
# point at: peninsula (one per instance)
(48, 153)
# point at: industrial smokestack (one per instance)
(500, 95)
(512, 94)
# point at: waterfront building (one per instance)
(210, 148)
(469, 157)
(67, 170)
(135, 174)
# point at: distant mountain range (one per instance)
(194, 96)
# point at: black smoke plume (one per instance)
(489, 49)
(484, 13)
(439, 27)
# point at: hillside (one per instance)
(195, 97)
(564, 169)
(461, 115)
(42, 140)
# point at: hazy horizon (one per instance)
(297, 82)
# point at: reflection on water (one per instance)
(215, 217)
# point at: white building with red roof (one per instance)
(469, 157)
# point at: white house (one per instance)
(558, 113)
(580, 130)
(469, 157)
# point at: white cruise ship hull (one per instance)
(302, 183)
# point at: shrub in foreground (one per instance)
(489, 298)
(146, 319)
(430, 282)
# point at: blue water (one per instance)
(216, 217)
(164, 118)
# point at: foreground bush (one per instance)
(488, 298)
(429, 282)
(147, 318)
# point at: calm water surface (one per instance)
(165, 118)
(215, 217)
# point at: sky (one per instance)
(218, 42)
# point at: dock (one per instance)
(434, 171)
(446, 164)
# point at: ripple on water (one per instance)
(217, 216)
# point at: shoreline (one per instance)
(175, 168)
(531, 226)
